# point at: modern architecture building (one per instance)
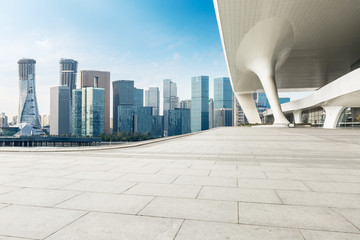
(292, 45)
(223, 102)
(45, 121)
(125, 119)
(185, 104)
(88, 111)
(138, 97)
(211, 113)
(3, 120)
(142, 120)
(98, 79)
(199, 103)
(239, 117)
(68, 73)
(60, 110)
(223, 117)
(28, 107)
(171, 101)
(123, 95)
(152, 99)
(179, 121)
(157, 126)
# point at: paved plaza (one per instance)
(226, 183)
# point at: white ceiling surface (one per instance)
(327, 39)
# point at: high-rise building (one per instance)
(88, 111)
(68, 73)
(60, 110)
(123, 95)
(125, 119)
(171, 101)
(199, 103)
(211, 113)
(223, 102)
(138, 97)
(185, 104)
(152, 99)
(45, 121)
(157, 126)
(28, 108)
(98, 79)
(3, 120)
(179, 121)
(239, 117)
(142, 119)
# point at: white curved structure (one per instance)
(289, 45)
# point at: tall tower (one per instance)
(152, 99)
(28, 108)
(199, 103)
(68, 71)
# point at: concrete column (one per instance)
(332, 115)
(297, 116)
(248, 106)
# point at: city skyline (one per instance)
(186, 44)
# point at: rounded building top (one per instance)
(26, 60)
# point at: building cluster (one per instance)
(85, 110)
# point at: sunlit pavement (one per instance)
(227, 183)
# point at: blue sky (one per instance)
(142, 40)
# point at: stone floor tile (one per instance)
(107, 202)
(324, 235)
(106, 226)
(47, 173)
(186, 171)
(95, 175)
(150, 178)
(238, 174)
(198, 230)
(337, 187)
(4, 179)
(207, 181)
(165, 190)
(34, 222)
(321, 199)
(315, 218)
(196, 209)
(344, 178)
(100, 186)
(4, 189)
(352, 215)
(42, 182)
(37, 197)
(239, 194)
(271, 184)
(296, 176)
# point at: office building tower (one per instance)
(211, 113)
(88, 111)
(125, 119)
(185, 104)
(138, 97)
(3, 120)
(99, 79)
(170, 100)
(28, 108)
(123, 95)
(199, 103)
(239, 117)
(60, 110)
(152, 99)
(223, 102)
(157, 126)
(45, 121)
(223, 117)
(142, 120)
(179, 121)
(68, 73)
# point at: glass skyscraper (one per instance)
(90, 111)
(223, 102)
(199, 103)
(179, 121)
(142, 119)
(123, 95)
(138, 97)
(125, 119)
(152, 99)
(68, 71)
(28, 107)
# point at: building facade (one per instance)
(60, 110)
(199, 103)
(28, 107)
(68, 73)
(3, 120)
(185, 104)
(152, 99)
(223, 102)
(142, 120)
(123, 95)
(138, 97)
(211, 113)
(179, 121)
(99, 79)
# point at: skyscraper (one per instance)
(223, 102)
(123, 95)
(179, 121)
(3, 120)
(60, 110)
(28, 108)
(88, 111)
(152, 99)
(98, 79)
(170, 101)
(68, 72)
(211, 113)
(138, 97)
(199, 103)
(185, 104)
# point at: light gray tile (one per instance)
(165, 190)
(34, 222)
(297, 176)
(353, 215)
(4, 189)
(293, 216)
(207, 181)
(344, 178)
(337, 187)
(42, 182)
(186, 171)
(106, 202)
(197, 230)
(4, 179)
(339, 200)
(100, 186)
(151, 178)
(196, 209)
(37, 197)
(239, 194)
(238, 174)
(47, 173)
(95, 175)
(271, 184)
(105, 226)
(322, 235)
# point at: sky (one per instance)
(141, 40)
